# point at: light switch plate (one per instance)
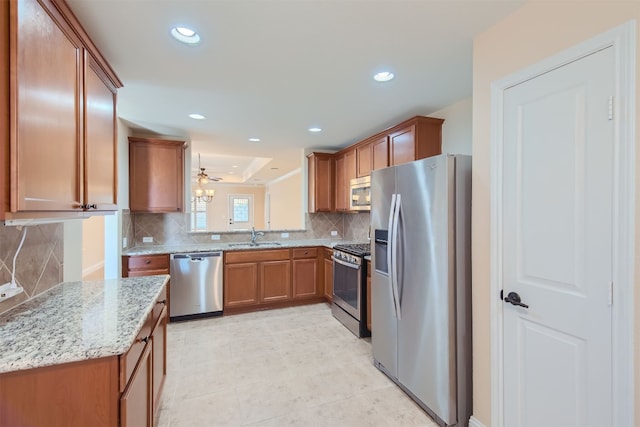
(124, 242)
(215, 237)
(147, 240)
(334, 233)
(284, 235)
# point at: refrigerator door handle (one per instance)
(390, 244)
(394, 256)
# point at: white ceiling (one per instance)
(273, 68)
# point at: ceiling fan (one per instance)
(203, 178)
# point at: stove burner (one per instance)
(359, 249)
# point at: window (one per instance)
(198, 215)
(240, 211)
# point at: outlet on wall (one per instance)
(215, 237)
(284, 235)
(147, 240)
(124, 242)
(334, 233)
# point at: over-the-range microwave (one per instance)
(360, 197)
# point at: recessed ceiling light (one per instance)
(254, 139)
(315, 129)
(185, 35)
(234, 166)
(383, 76)
(197, 116)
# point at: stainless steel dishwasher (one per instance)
(196, 285)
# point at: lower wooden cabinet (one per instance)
(305, 273)
(257, 279)
(136, 406)
(147, 265)
(328, 275)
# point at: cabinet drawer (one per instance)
(305, 253)
(129, 360)
(148, 262)
(256, 256)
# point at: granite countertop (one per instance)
(173, 249)
(76, 321)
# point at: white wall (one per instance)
(286, 202)
(457, 127)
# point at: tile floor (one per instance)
(290, 367)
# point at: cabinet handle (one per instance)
(92, 206)
(147, 261)
(164, 301)
(144, 340)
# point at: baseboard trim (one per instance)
(473, 422)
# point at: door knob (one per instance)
(514, 298)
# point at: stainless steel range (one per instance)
(350, 286)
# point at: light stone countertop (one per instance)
(175, 249)
(77, 321)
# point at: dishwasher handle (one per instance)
(196, 257)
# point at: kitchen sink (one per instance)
(254, 245)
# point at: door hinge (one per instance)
(610, 293)
(611, 108)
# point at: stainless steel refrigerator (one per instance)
(421, 282)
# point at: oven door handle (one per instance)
(346, 264)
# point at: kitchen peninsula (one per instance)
(85, 353)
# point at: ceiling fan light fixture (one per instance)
(185, 35)
(383, 76)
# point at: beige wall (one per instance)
(457, 129)
(218, 209)
(93, 248)
(534, 32)
(286, 202)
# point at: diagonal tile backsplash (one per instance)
(39, 265)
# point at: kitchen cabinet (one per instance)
(345, 172)
(73, 128)
(305, 272)
(328, 275)
(321, 182)
(256, 277)
(372, 154)
(136, 403)
(415, 139)
(269, 278)
(156, 175)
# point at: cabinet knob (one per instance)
(147, 261)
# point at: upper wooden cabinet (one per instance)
(57, 103)
(321, 182)
(345, 172)
(156, 175)
(415, 139)
(372, 154)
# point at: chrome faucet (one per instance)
(254, 235)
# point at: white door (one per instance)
(557, 246)
(240, 211)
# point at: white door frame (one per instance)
(623, 41)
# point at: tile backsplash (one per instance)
(39, 265)
(173, 229)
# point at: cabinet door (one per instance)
(100, 138)
(349, 174)
(340, 193)
(305, 278)
(328, 279)
(156, 175)
(275, 281)
(45, 98)
(363, 160)
(136, 401)
(320, 182)
(402, 146)
(240, 284)
(159, 341)
(380, 153)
